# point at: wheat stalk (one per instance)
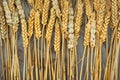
(24, 34)
(48, 37)
(71, 44)
(78, 22)
(100, 19)
(57, 47)
(92, 40)
(45, 10)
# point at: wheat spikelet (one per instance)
(96, 5)
(78, 18)
(56, 7)
(31, 23)
(3, 26)
(38, 5)
(41, 5)
(45, 12)
(105, 26)
(11, 5)
(88, 8)
(31, 2)
(37, 25)
(20, 9)
(57, 37)
(108, 5)
(114, 15)
(50, 24)
(100, 15)
(61, 4)
(65, 16)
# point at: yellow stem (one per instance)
(81, 70)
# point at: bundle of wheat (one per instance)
(50, 33)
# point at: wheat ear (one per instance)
(45, 12)
(7, 13)
(50, 25)
(78, 18)
(105, 26)
(3, 26)
(114, 15)
(37, 25)
(65, 12)
(31, 23)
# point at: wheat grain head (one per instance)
(57, 37)
(3, 26)
(105, 26)
(78, 18)
(45, 12)
(24, 33)
(114, 15)
(50, 24)
(65, 12)
(37, 25)
(31, 23)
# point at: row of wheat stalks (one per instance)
(58, 23)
